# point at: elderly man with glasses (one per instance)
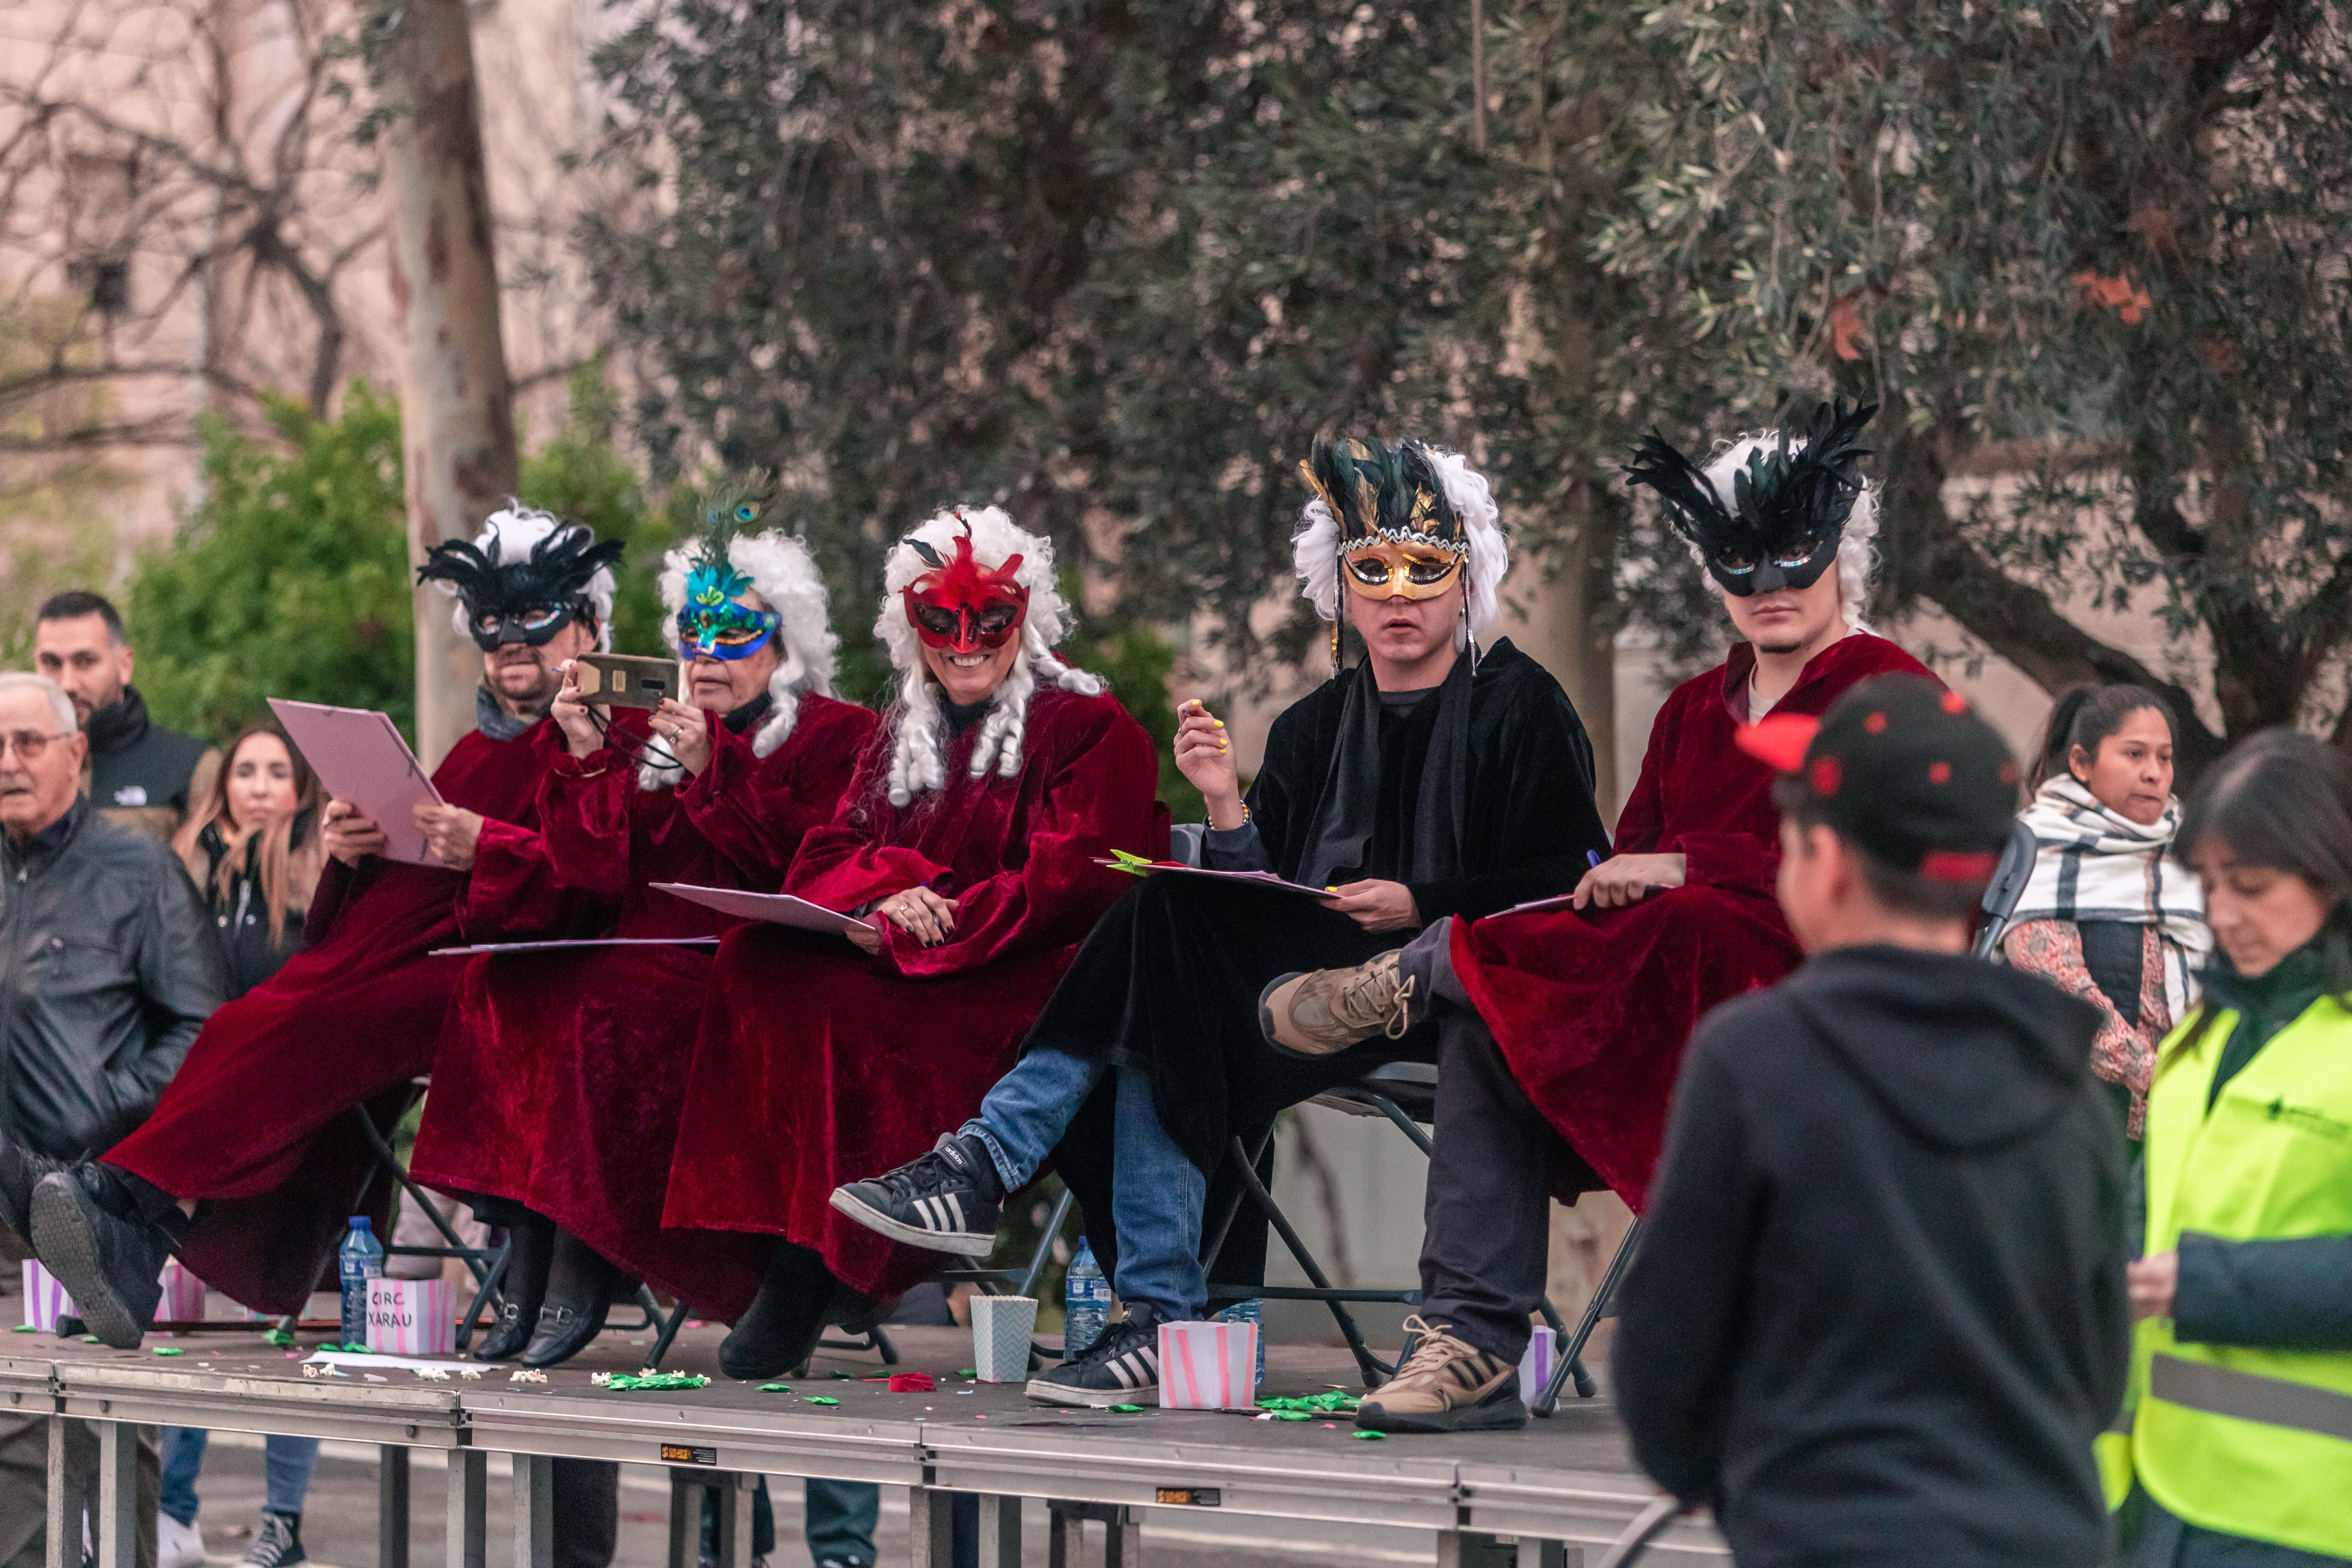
(107, 968)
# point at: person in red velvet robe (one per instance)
(970, 839)
(250, 1166)
(562, 1075)
(1563, 1030)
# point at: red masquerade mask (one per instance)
(961, 605)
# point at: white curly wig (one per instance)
(1314, 548)
(785, 575)
(1857, 556)
(507, 537)
(916, 763)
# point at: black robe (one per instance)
(1169, 981)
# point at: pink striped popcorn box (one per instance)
(184, 1295)
(44, 1299)
(1535, 1367)
(1208, 1366)
(412, 1317)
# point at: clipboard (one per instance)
(360, 756)
(568, 943)
(776, 909)
(1137, 866)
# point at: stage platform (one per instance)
(1555, 1493)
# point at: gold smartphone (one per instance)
(621, 682)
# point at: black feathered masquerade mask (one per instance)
(1789, 506)
(526, 601)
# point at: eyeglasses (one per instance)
(26, 743)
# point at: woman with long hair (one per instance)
(254, 850)
(2106, 915)
(252, 847)
(2242, 1436)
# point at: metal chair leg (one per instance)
(678, 1313)
(1570, 1361)
(1375, 1370)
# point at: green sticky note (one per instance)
(1369, 1436)
(775, 1388)
(169, 1350)
(1128, 1409)
(819, 1399)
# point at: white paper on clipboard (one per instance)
(776, 909)
(360, 756)
(568, 943)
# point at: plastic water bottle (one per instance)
(362, 1259)
(1085, 1303)
(1250, 1311)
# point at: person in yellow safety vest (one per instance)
(2241, 1444)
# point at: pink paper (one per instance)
(360, 755)
(44, 1299)
(776, 909)
(412, 1317)
(1208, 1366)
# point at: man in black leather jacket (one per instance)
(107, 968)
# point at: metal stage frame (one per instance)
(1552, 1495)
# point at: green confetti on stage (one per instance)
(24, 1328)
(775, 1388)
(969, 1372)
(89, 1339)
(843, 1376)
(819, 1399)
(1292, 1415)
(278, 1337)
(1369, 1436)
(1128, 1409)
(169, 1350)
(622, 1383)
(1332, 1403)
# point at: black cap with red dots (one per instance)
(1903, 769)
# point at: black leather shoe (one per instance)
(785, 1320)
(565, 1328)
(505, 1338)
(531, 1246)
(109, 1266)
(21, 1171)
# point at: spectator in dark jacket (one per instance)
(1878, 1314)
(139, 774)
(107, 970)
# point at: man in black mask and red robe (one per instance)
(1563, 1028)
(250, 1166)
(1434, 779)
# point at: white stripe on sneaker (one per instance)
(955, 1203)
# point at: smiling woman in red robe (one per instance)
(251, 1167)
(561, 1075)
(970, 839)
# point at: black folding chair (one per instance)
(2008, 885)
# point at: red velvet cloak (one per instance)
(257, 1124)
(561, 1075)
(1592, 1009)
(818, 1065)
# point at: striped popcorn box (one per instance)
(1000, 1327)
(1208, 1366)
(44, 1299)
(184, 1295)
(412, 1317)
(1535, 1367)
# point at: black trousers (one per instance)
(1494, 1165)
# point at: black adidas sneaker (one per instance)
(1122, 1367)
(948, 1201)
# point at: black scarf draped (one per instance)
(1342, 822)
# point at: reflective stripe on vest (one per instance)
(2249, 1441)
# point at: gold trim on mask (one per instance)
(1401, 571)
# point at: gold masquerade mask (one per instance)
(1386, 570)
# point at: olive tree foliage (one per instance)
(1110, 265)
(2091, 259)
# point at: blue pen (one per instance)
(1592, 858)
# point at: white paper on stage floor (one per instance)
(360, 1360)
(574, 942)
(1138, 867)
(360, 756)
(776, 909)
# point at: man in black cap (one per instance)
(1878, 1313)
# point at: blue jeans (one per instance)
(1157, 1194)
(288, 1463)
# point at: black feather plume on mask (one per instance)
(556, 571)
(1781, 499)
(1376, 491)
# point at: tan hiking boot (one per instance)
(1445, 1385)
(1324, 1011)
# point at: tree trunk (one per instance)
(456, 411)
